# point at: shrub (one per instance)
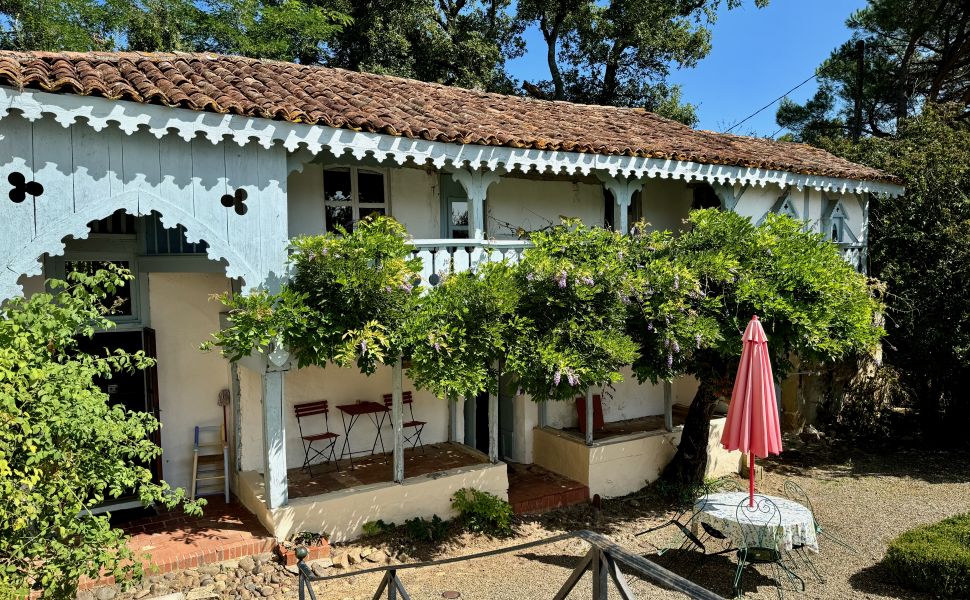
(371, 528)
(423, 530)
(934, 558)
(482, 512)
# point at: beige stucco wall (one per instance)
(623, 465)
(535, 203)
(189, 380)
(339, 386)
(627, 399)
(342, 514)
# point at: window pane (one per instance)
(459, 214)
(119, 303)
(370, 187)
(340, 214)
(336, 185)
(459, 234)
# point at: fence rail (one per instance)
(604, 559)
(441, 257)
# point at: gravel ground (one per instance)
(867, 498)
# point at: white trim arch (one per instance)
(53, 238)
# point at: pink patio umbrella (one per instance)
(752, 421)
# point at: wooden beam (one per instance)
(397, 418)
(668, 406)
(274, 439)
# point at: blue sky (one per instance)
(757, 55)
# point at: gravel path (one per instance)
(867, 498)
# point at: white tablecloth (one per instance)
(720, 511)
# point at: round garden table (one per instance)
(720, 511)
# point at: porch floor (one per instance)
(533, 489)
(378, 468)
(639, 425)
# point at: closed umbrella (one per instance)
(752, 421)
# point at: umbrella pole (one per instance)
(751, 480)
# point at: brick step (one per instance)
(533, 490)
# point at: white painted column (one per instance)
(543, 414)
(274, 438)
(622, 189)
(397, 419)
(493, 417)
(668, 406)
(476, 184)
(589, 416)
(730, 195)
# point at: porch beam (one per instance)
(397, 418)
(622, 189)
(274, 438)
(727, 194)
(589, 416)
(668, 406)
(476, 183)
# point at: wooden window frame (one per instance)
(355, 203)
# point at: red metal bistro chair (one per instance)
(327, 438)
(415, 426)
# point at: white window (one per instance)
(352, 193)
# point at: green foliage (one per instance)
(63, 449)
(812, 304)
(668, 310)
(461, 329)
(482, 512)
(920, 246)
(911, 58)
(424, 530)
(621, 52)
(934, 558)
(572, 330)
(309, 538)
(378, 527)
(346, 303)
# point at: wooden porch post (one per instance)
(274, 439)
(543, 414)
(493, 419)
(476, 185)
(397, 418)
(668, 406)
(622, 189)
(453, 433)
(589, 416)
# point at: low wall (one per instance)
(342, 514)
(622, 465)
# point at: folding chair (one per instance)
(327, 437)
(416, 426)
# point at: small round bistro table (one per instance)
(720, 511)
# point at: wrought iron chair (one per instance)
(416, 427)
(327, 438)
(684, 520)
(761, 543)
(795, 493)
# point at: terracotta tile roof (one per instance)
(403, 107)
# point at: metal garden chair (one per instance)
(684, 520)
(761, 543)
(327, 438)
(416, 427)
(795, 493)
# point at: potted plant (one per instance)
(316, 544)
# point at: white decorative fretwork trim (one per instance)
(158, 120)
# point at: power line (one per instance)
(728, 130)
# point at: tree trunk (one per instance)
(690, 462)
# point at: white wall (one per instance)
(534, 204)
(339, 386)
(627, 400)
(189, 380)
(665, 203)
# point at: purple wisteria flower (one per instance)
(676, 347)
(325, 251)
(557, 377)
(407, 287)
(650, 326)
(587, 280)
(670, 360)
(363, 346)
(676, 282)
(437, 347)
(561, 279)
(573, 378)
(530, 276)
(697, 338)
